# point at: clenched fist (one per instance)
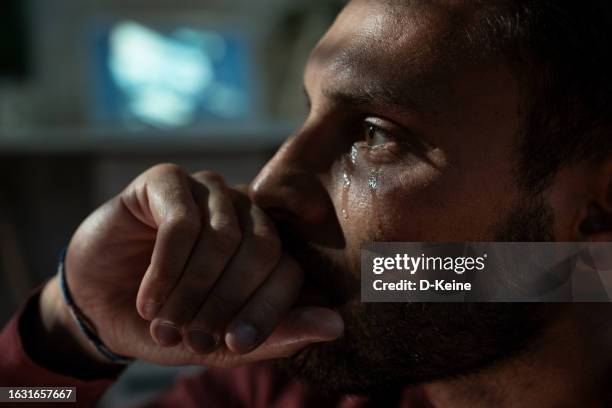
(180, 269)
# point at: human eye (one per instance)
(379, 132)
(380, 140)
(375, 135)
(383, 141)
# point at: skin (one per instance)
(428, 146)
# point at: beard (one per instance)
(388, 346)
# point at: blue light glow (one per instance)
(172, 79)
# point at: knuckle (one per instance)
(168, 168)
(183, 221)
(209, 176)
(226, 225)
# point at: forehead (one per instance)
(396, 45)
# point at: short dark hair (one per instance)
(562, 50)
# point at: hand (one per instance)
(181, 269)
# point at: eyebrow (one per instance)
(377, 96)
(380, 98)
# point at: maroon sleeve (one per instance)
(259, 385)
(263, 385)
(18, 370)
(254, 386)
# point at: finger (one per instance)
(219, 239)
(171, 203)
(303, 326)
(221, 210)
(266, 308)
(300, 328)
(255, 259)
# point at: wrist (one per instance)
(55, 341)
(56, 318)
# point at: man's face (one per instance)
(410, 137)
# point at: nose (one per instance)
(291, 185)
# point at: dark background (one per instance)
(56, 165)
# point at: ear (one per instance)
(581, 198)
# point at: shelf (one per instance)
(121, 141)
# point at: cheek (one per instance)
(411, 204)
(392, 204)
(418, 202)
(415, 204)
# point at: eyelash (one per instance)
(371, 130)
(387, 151)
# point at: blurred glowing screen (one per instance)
(172, 78)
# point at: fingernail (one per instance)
(242, 337)
(167, 334)
(333, 325)
(150, 310)
(201, 341)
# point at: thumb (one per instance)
(301, 327)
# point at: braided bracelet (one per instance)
(81, 320)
